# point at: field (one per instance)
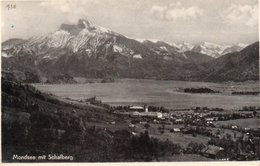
(185, 157)
(182, 139)
(178, 138)
(244, 123)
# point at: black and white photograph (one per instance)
(109, 81)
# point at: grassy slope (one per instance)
(37, 123)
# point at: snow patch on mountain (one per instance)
(176, 45)
(216, 50)
(208, 48)
(167, 58)
(183, 46)
(98, 28)
(143, 40)
(117, 48)
(243, 45)
(154, 40)
(76, 42)
(138, 39)
(102, 29)
(164, 48)
(58, 39)
(184, 55)
(212, 47)
(35, 40)
(6, 55)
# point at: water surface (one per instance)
(159, 93)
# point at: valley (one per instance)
(89, 130)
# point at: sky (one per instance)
(193, 21)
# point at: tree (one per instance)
(146, 125)
(194, 148)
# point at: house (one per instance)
(247, 129)
(136, 108)
(209, 119)
(176, 130)
(113, 122)
(139, 108)
(134, 133)
(148, 114)
(234, 127)
(179, 121)
(159, 115)
(136, 113)
(214, 152)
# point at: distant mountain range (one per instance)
(89, 50)
(215, 50)
(236, 66)
(206, 48)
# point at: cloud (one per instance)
(62, 6)
(72, 9)
(241, 14)
(175, 12)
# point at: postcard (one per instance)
(128, 81)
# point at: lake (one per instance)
(158, 93)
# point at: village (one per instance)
(212, 133)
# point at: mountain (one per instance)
(237, 66)
(231, 49)
(11, 43)
(216, 50)
(88, 50)
(198, 58)
(164, 49)
(183, 47)
(210, 49)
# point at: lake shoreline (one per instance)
(158, 93)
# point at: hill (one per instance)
(198, 58)
(36, 123)
(237, 66)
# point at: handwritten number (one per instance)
(11, 6)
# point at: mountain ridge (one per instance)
(89, 50)
(236, 66)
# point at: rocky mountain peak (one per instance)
(75, 29)
(82, 23)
